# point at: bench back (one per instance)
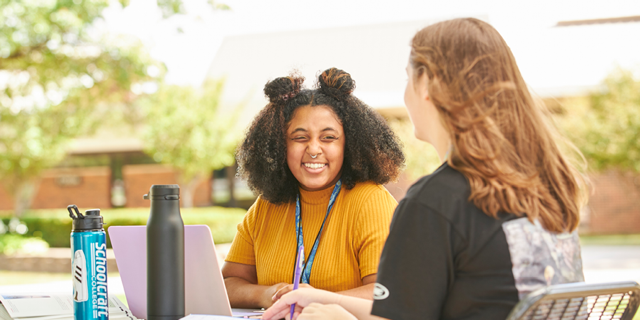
(602, 301)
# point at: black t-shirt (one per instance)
(446, 259)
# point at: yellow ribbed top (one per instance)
(350, 244)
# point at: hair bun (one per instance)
(336, 83)
(283, 88)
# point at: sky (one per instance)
(187, 43)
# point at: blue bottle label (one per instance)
(89, 270)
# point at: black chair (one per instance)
(588, 301)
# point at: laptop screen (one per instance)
(205, 292)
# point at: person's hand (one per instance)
(302, 298)
(266, 299)
(286, 289)
(325, 311)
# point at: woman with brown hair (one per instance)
(497, 219)
(317, 158)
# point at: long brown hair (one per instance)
(500, 138)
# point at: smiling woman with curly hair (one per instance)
(317, 158)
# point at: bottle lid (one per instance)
(91, 220)
(163, 192)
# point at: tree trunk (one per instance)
(231, 178)
(188, 191)
(23, 196)
(212, 196)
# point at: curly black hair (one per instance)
(371, 152)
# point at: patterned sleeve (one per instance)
(241, 250)
(372, 229)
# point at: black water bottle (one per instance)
(165, 254)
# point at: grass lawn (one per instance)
(612, 240)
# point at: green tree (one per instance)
(186, 129)
(605, 126)
(60, 74)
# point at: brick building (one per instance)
(138, 178)
(614, 204)
(106, 171)
(87, 187)
(92, 187)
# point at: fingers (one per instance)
(277, 311)
(301, 297)
(282, 291)
(276, 314)
(281, 310)
(286, 289)
(297, 312)
(317, 311)
(312, 312)
(270, 293)
(283, 306)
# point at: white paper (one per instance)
(52, 306)
(205, 317)
(62, 317)
(3, 314)
(37, 304)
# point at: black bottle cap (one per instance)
(163, 192)
(91, 220)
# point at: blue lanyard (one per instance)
(306, 271)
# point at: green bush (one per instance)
(54, 226)
(14, 243)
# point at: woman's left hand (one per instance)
(325, 311)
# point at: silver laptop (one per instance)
(205, 292)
